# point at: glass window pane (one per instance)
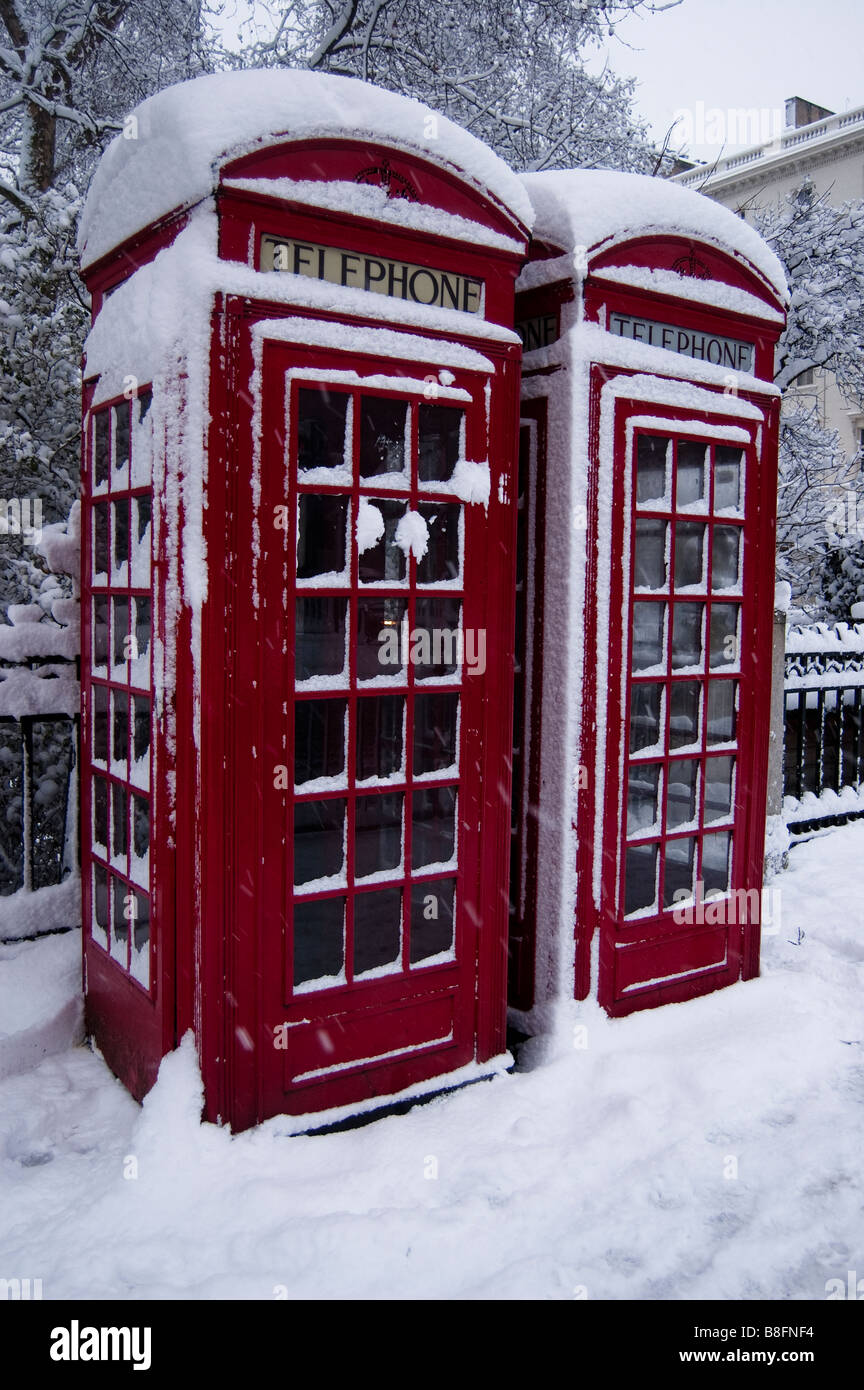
(120, 921)
(378, 834)
(724, 634)
(377, 930)
(100, 906)
(687, 624)
(140, 827)
(319, 739)
(646, 706)
(649, 563)
(140, 961)
(141, 739)
(383, 562)
(319, 839)
(651, 453)
(640, 873)
(380, 648)
(431, 919)
(101, 447)
(320, 637)
(435, 637)
(689, 551)
(101, 520)
(649, 621)
(120, 733)
(379, 736)
(725, 558)
(441, 563)
(433, 826)
(319, 940)
(644, 780)
(119, 824)
(721, 711)
(100, 723)
(322, 527)
(684, 714)
(690, 474)
(122, 420)
(436, 719)
(383, 425)
(142, 509)
(727, 476)
(718, 789)
(681, 792)
(715, 862)
(120, 645)
(100, 814)
(120, 513)
(678, 877)
(101, 610)
(141, 648)
(439, 431)
(321, 416)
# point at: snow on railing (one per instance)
(39, 704)
(823, 740)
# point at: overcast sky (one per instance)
(740, 54)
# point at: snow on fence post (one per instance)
(823, 764)
(39, 715)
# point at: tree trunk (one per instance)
(38, 146)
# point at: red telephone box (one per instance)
(301, 419)
(649, 317)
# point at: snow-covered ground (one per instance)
(709, 1150)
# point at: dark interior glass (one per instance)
(431, 918)
(721, 711)
(379, 638)
(681, 792)
(724, 634)
(119, 821)
(143, 514)
(436, 649)
(648, 620)
(121, 434)
(100, 812)
(101, 610)
(687, 635)
(140, 826)
(320, 637)
(642, 797)
(320, 427)
(433, 836)
(378, 833)
(100, 897)
(382, 436)
(438, 435)
(724, 559)
(649, 563)
(651, 453)
(690, 479)
(101, 447)
(319, 939)
(100, 722)
(377, 929)
(143, 618)
(120, 608)
(120, 726)
(121, 531)
(689, 550)
(715, 862)
(646, 702)
(684, 714)
(101, 518)
(321, 534)
(718, 789)
(640, 878)
(141, 936)
(435, 722)
(120, 918)
(141, 732)
(379, 736)
(678, 875)
(319, 833)
(441, 561)
(319, 739)
(727, 476)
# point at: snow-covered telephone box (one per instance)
(301, 425)
(648, 465)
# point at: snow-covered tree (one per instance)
(69, 72)
(822, 248)
(510, 71)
